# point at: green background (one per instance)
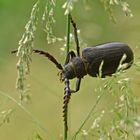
(46, 89)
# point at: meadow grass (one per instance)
(117, 119)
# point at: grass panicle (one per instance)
(25, 50)
(5, 116)
(124, 121)
(48, 20)
(110, 4)
(68, 6)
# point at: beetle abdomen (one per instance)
(111, 55)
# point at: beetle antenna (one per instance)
(49, 56)
(46, 54)
(67, 95)
(75, 35)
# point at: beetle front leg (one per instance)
(70, 56)
(78, 82)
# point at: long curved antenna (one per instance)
(67, 95)
(75, 35)
(46, 54)
(50, 57)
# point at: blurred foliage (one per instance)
(46, 90)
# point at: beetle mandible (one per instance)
(77, 66)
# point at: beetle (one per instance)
(77, 66)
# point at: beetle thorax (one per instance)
(76, 68)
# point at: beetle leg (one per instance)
(69, 57)
(75, 35)
(78, 82)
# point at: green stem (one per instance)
(88, 116)
(67, 51)
(68, 33)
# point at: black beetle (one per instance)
(77, 67)
(111, 55)
(89, 63)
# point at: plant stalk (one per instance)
(68, 34)
(67, 51)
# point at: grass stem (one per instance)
(88, 116)
(68, 34)
(67, 51)
(33, 119)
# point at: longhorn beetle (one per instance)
(77, 66)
